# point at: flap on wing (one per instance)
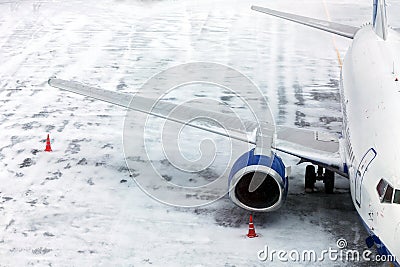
(311, 139)
(311, 146)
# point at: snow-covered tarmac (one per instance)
(78, 206)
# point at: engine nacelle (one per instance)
(271, 194)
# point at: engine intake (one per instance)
(271, 194)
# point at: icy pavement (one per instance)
(77, 206)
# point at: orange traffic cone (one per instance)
(252, 231)
(48, 146)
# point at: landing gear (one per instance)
(320, 172)
(311, 177)
(329, 180)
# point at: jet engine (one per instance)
(270, 194)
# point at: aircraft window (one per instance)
(381, 187)
(397, 197)
(388, 195)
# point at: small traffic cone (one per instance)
(48, 146)
(252, 231)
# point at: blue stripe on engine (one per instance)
(249, 159)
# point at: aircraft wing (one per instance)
(232, 126)
(310, 146)
(332, 27)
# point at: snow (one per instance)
(78, 206)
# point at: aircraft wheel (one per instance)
(320, 173)
(329, 180)
(310, 178)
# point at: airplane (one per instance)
(366, 152)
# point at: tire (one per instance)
(329, 180)
(310, 177)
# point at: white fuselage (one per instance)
(371, 129)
